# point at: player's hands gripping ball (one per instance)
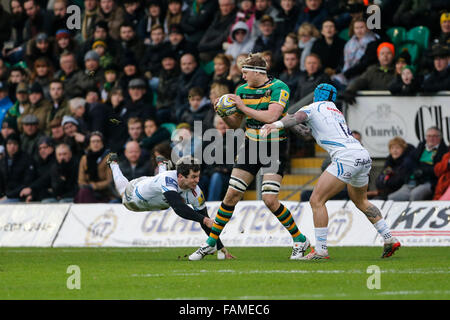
(225, 106)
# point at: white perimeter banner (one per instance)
(425, 223)
(30, 225)
(380, 118)
(252, 225)
(419, 223)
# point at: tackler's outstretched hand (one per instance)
(266, 129)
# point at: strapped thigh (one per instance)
(238, 184)
(270, 187)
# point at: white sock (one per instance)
(119, 179)
(321, 239)
(383, 229)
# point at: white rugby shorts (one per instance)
(352, 167)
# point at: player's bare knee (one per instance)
(232, 197)
(271, 201)
(316, 201)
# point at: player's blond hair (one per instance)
(254, 60)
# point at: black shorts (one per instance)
(270, 156)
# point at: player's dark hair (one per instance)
(186, 164)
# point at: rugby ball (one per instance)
(225, 106)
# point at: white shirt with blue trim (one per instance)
(329, 128)
(151, 192)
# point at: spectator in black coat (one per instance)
(192, 75)
(134, 166)
(133, 12)
(96, 113)
(121, 110)
(439, 78)
(268, 40)
(140, 103)
(116, 125)
(286, 18)
(153, 16)
(406, 84)
(197, 19)
(167, 85)
(5, 25)
(151, 64)
(16, 171)
(63, 176)
(395, 169)
(58, 16)
(40, 187)
(311, 78)
(129, 43)
(19, 18)
(314, 12)
(154, 134)
(178, 43)
(200, 109)
(330, 48)
(39, 19)
(217, 33)
(291, 73)
(30, 136)
(73, 136)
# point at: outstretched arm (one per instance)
(287, 121)
(183, 210)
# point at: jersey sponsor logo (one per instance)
(335, 110)
(170, 182)
(362, 162)
(201, 199)
(284, 97)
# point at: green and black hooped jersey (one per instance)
(275, 91)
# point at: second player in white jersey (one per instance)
(350, 167)
(147, 193)
(329, 128)
(177, 189)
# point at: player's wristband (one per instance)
(278, 124)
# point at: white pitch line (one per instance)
(178, 273)
(412, 292)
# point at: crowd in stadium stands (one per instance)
(132, 71)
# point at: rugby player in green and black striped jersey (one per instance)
(260, 100)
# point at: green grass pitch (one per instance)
(257, 274)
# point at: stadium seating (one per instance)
(413, 49)
(343, 34)
(169, 126)
(420, 35)
(208, 67)
(397, 35)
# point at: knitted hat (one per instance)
(445, 17)
(36, 88)
(91, 55)
(62, 33)
(410, 67)
(388, 45)
(69, 119)
(99, 43)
